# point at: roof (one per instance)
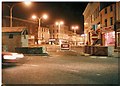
(13, 29)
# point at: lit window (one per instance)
(110, 39)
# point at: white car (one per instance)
(11, 57)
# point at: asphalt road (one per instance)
(62, 68)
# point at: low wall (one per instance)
(96, 50)
(30, 50)
(78, 49)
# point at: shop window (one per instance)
(10, 36)
(110, 39)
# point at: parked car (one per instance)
(10, 57)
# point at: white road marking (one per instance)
(30, 65)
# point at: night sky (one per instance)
(69, 12)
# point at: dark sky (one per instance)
(69, 12)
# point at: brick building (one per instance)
(99, 18)
(32, 28)
(14, 37)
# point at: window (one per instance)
(42, 36)
(42, 29)
(111, 8)
(53, 36)
(10, 36)
(101, 18)
(105, 22)
(105, 10)
(57, 30)
(111, 20)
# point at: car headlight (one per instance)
(18, 55)
(9, 57)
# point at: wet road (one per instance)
(62, 68)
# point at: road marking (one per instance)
(34, 65)
(29, 65)
(98, 74)
(73, 70)
(98, 57)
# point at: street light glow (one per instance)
(75, 27)
(39, 25)
(34, 17)
(59, 23)
(45, 16)
(27, 3)
(56, 23)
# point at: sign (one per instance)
(51, 39)
(65, 46)
(94, 36)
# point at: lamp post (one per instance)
(59, 23)
(75, 28)
(11, 9)
(39, 24)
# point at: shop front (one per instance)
(110, 38)
(117, 45)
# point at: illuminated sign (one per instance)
(65, 46)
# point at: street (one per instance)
(63, 67)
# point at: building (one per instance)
(91, 21)
(14, 37)
(32, 28)
(101, 26)
(99, 19)
(44, 35)
(47, 35)
(62, 34)
(58, 34)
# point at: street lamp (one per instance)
(11, 9)
(59, 23)
(39, 22)
(75, 28)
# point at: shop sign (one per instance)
(51, 39)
